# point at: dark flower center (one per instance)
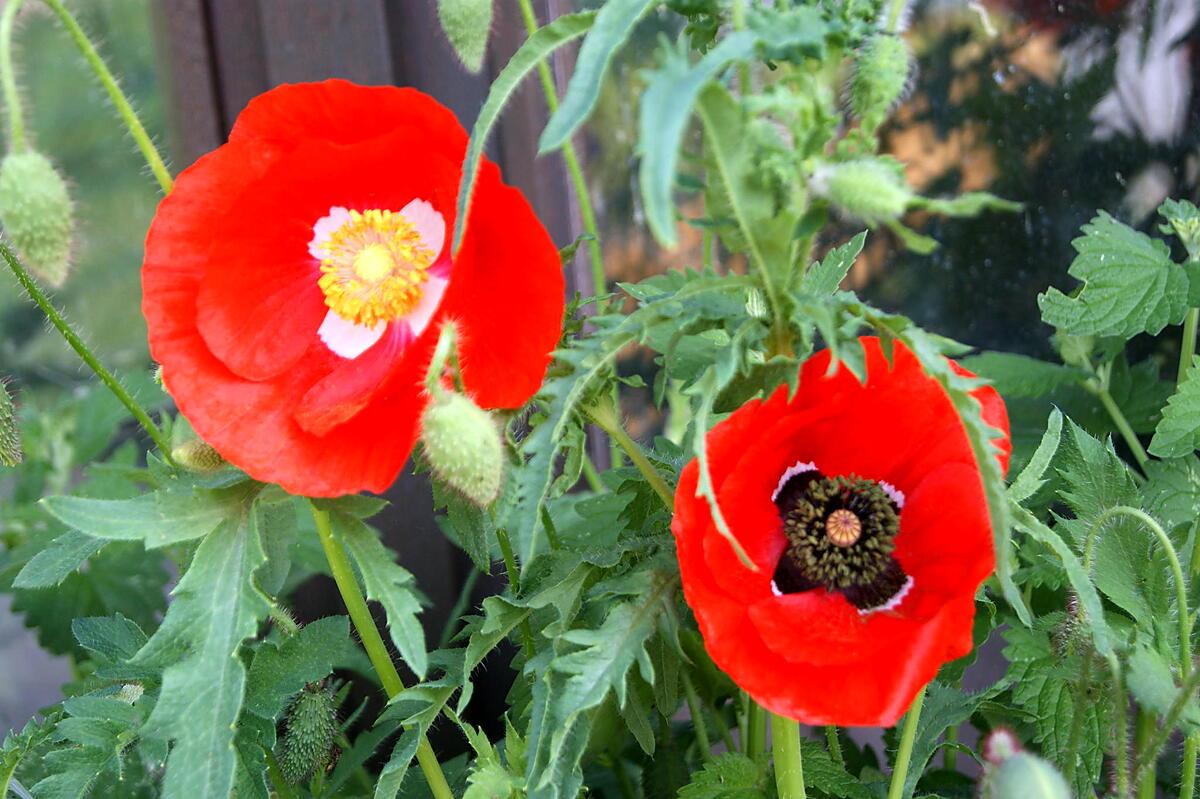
(841, 533)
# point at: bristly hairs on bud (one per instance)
(882, 78)
(462, 442)
(870, 189)
(468, 25)
(36, 212)
(11, 453)
(1023, 776)
(311, 727)
(197, 456)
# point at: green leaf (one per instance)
(541, 44)
(665, 108)
(54, 563)
(389, 584)
(278, 672)
(216, 607)
(972, 203)
(730, 775)
(1183, 219)
(613, 24)
(1172, 490)
(157, 520)
(1152, 683)
(827, 776)
(113, 638)
(1031, 478)
(944, 707)
(825, 277)
(16, 746)
(1021, 376)
(1178, 433)
(1131, 286)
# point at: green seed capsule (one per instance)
(1025, 776)
(308, 740)
(467, 24)
(463, 446)
(10, 436)
(880, 78)
(868, 189)
(35, 210)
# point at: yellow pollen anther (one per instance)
(843, 527)
(374, 267)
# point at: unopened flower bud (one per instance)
(307, 742)
(881, 71)
(35, 210)
(467, 24)
(1024, 776)
(463, 446)
(868, 189)
(1001, 744)
(10, 436)
(197, 456)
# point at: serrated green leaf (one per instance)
(216, 607)
(1178, 433)
(396, 768)
(52, 565)
(825, 277)
(664, 111)
(828, 777)
(114, 638)
(730, 775)
(1172, 490)
(1020, 376)
(944, 707)
(1131, 286)
(541, 44)
(389, 584)
(278, 672)
(614, 23)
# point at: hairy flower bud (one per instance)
(869, 189)
(10, 436)
(463, 446)
(1024, 776)
(467, 24)
(1001, 744)
(197, 456)
(35, 210)
(308, 740)
(881, 71)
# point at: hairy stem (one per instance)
(368, 633)
(696, 709)
(84, 352)
(789, 765)
(8, 78)
(834, 744)
(1071, 758)
(904, 754)
(1187, 773)
(118, 98)
(1187, 346)
(1126, 430)
(605, 418)
(514, 583)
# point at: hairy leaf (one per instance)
(54, 563)
(825, 277)
(278, 672)
(1021, 376)
(1178, 433)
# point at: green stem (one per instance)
(1121, 714)
(738, 18)
(904, 754)
(894, 13)
(514, 584)
(1187, 347)
(280, 784)
(606, 419)
(723, 728)
(789, 765)
(106, 377)
(756, 729)
(1152, 736)
(368, 633)
(697, 711)
(834, 744)
(1187, 776)
(1144, 776)
(1194, 565)
(1076, 731)
(586, 213)
(949, 755)
(1131, 439)
(8, 77)
(128, 115)
(591, 476)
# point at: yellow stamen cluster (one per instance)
(374, 267)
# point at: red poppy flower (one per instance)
(295, 280)
(863, 508)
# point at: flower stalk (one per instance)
(8, 78)
(904, 754)
(789, 765)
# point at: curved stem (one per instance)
(1126, 430)
(106, 377)
(789, 764)
(372, 641)
(1187, 346)
(586, 214)
(8, 78)
(118, 98)
(606, 419)
(904, 754)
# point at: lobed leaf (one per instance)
(1178, 433)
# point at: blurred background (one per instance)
(1064, 106)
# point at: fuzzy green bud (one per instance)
(35, 210)
(10, 436)
(880, 79)
(197, 456)
(868, 189)
(467, 24)
(463, 446)
(307, 742)
(1024, 776)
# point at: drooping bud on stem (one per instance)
(35, 210)
(869, 189)
(10, 436)
(1011, 773)
(467, 24)
(881, 71)
(307, 742)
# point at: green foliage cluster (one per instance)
(218, 692)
